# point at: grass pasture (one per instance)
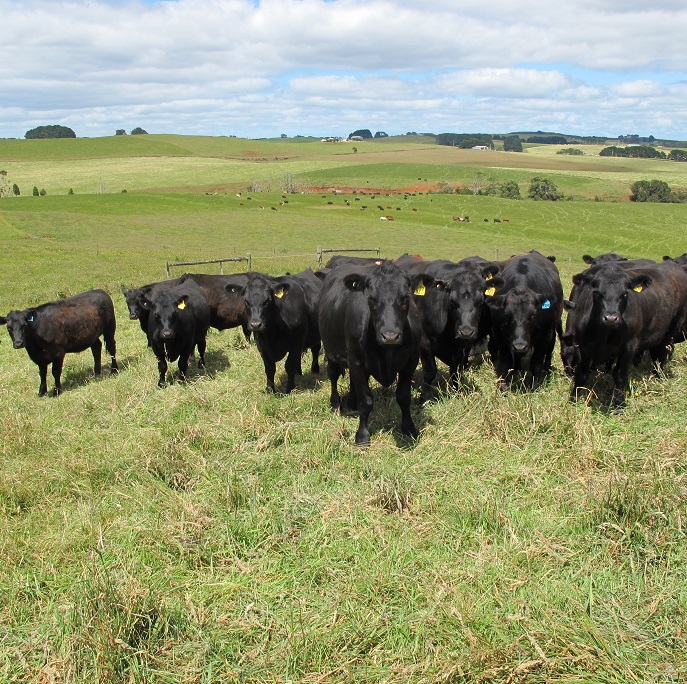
(207, 532)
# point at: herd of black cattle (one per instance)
(379, 318)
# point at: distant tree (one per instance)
(283, 135)
(355, 150)
(71, 191)
(138, 131)
(363, 133)
(634, 151)
(678, 155)
(4, 184)
(53, 131)
(650, 191)
(572, 151)
(120, 131)
(465, 140)
(510, 190)
(35, 191)
(42, 193)
(512, 143)
(381, 134)
(15, 190)
(543, 189)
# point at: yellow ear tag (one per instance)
(489, 277)
(279, 294)
(639, 288)
(490, 292)
(420, 290)
(181, 305)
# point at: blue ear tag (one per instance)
(30, 319)
(546, 305)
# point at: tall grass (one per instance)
(207, 532)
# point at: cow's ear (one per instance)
(492, 286)
(124, 290)
(638, 283)
(580, 279)
(354, 282)
(489, 271)
(322, 273)
(3, 320)
(551, 258)
(420, 283)
(587, 259)
(235, 289)
(280, 290)
(568, 305)
(667, 258)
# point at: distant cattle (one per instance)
(525, 317)
(72, 325)
(620, 313)
(179, 321)
(279, 317)
(369, 324)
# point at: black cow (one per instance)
(51, 330)
(570, 353)
(178, 322)
(620, 313)
(138, 300)
(454, 317)
(525, 317)
(278, 317)
(344, 260)
(369, 324)
(227, 310)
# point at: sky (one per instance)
(264, 68)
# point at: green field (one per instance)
(207, 532)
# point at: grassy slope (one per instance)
(209, 533)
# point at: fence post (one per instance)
(249, 256)
(319, 256)
(167, 268)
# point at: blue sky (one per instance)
(312, 67)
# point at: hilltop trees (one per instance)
(650, 191)
(53, 131)
(138, 131)
(364, 133)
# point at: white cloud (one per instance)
(296, 65)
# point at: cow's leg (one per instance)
(429, 373)
(111, 347)
(57, 375)
(270, 370)
(315, 349)
(246, 332)
(43, 372)
(97, 351)
(538, 362)
(334, 372)
(403, 385)
(361, 382)
(201, 343)
(292, 365)
(162, 370)
(580, 377)
(503, 368)
(183, 366)
(621, 376)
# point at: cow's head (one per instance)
(18, 324)
(515, 315)
(611, 289)
(133, 302)
(166, 308)
(262, 296)
(388, 291)
(468, 291)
